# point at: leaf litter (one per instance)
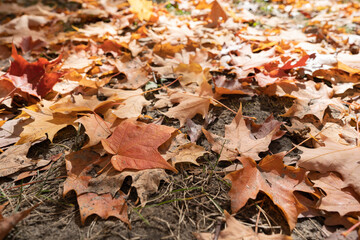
(253, 109)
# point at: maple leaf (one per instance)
(239, 140)
(95, 127)
(313, 99)
(273, 178)
(236, 230)
(80, 103)
(135, 145)
(333, 157)
(337, 199)
(35, 78)
(192, 72)
(143, 9)
(82, 163)
(190, 105)
(14, 160)
(134, 71)
(44, 124)
(104, 206)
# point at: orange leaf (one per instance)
(135, 145)
(272, 177)
(104, 206)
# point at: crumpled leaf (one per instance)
(273, 178)
(235, 230)
(338, 198)
(81, 164)
(135, 145)
(334, 157)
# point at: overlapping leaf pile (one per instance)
(130, 59)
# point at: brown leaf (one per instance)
(95, 127)
(217, 14)
(134, 71)
(190, 105)
(236, 230)
(7, 223)
(104, 206)
(239, 140)
(334, 157)
(44, 125)
(337, 199)
(135, 145)
(14, 160)
(275, 179)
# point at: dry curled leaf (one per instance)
(273, 178)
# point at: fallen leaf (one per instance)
(189, 104)
(273, 178)
(7, 223)
(134, 71)
(333, 157)
(135, 145)
(95, 127)
(104, 206)
(239, 140)
(143, 8)
(44, 125)
(235, 230)
(35, 78)
(338, 198)
(14, 160)
(217, 15)
(81, 164)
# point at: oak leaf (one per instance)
(334, 157)
(239, 140)
(273, 178)
(236, 230)
(135, 145)
(338, 198)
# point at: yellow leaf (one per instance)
(44, 124)
(142, 8)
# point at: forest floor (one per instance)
(194, 199)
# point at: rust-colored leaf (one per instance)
(104, 206)
(135, 145)
(273, 178)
